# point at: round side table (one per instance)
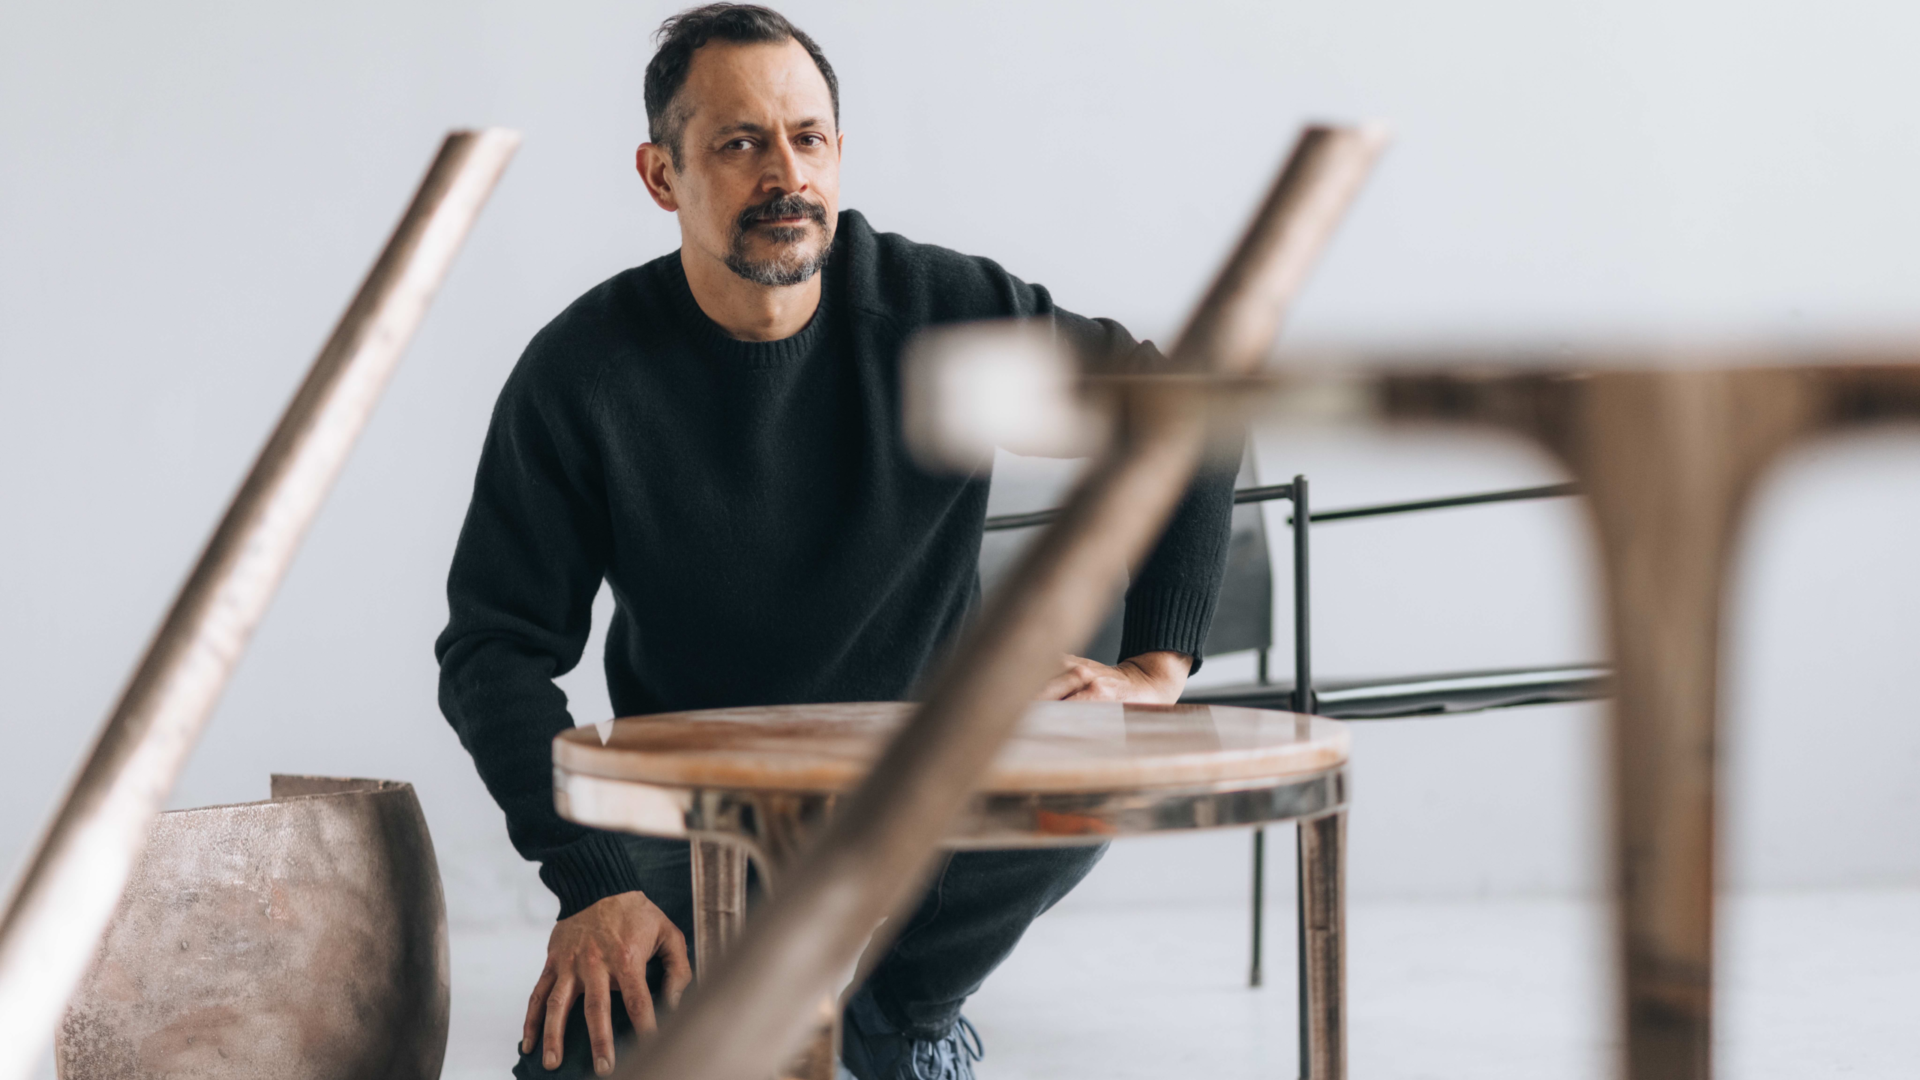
(755, 782)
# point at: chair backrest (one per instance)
(1244, 619)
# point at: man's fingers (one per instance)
(1063, 684)
(559, 1000)
(640, 1005)
(628, 975)
(599, 1020)
(673, 953)
(536, 1009)
(638, 999)
(1094, 690)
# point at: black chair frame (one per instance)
(1355, 699)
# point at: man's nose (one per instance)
(783, 171)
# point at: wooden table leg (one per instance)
(1668, 459)
(720, 910)
(820, 1058)
(1323, 948)
(719, 898)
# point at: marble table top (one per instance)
(1060, 747)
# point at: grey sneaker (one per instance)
(871, 1048)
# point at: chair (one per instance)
(1244, 621)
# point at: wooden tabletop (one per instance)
(1060, 747)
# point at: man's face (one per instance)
(757, 186)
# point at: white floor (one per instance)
(1815, 984)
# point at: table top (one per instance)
(1060, 746)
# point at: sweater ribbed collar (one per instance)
(709, 334)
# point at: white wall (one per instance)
(192, 190)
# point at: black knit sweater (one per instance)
(765, 534)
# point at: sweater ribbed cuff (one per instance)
(588, 871)
(1172, 621)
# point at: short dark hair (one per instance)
(682, 35)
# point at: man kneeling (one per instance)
(716, 434)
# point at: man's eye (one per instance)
(740, 144)
(812, 140)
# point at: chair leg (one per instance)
(1254, 976)
(719, 899)
(1323, 949)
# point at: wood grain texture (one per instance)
(1060, 746)
(1323, 948)
(719, 899)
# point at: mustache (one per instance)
(783, 206)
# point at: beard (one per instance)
(792, 263)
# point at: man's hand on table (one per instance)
(591, 954)
(1154, 678)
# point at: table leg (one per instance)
(819, 1059)
(719, 898)
(1668, 460)
(720, 909)
(1323, 949)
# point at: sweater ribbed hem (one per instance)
(1174, 620)
(588, 871)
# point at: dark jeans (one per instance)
(972, 916)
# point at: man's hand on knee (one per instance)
(1154, 678)
(592, 954)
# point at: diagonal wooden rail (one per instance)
(753, 1012)
(73, 883)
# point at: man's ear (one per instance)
(655, 166)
